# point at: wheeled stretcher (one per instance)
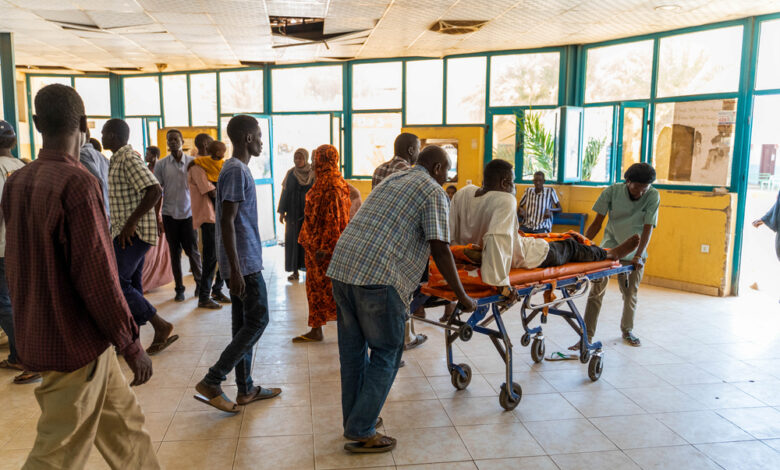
(570, 281)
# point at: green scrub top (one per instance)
(626, 217)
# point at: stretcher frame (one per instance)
(490, 309)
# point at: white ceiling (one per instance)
(194, 34)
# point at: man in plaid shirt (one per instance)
(133, 191)
(375, 269)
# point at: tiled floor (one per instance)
(702, 392)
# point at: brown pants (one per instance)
(91, 405)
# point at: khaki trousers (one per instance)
(629, 286)
(91, 405)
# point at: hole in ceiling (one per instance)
(457, 26)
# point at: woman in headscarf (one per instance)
(291, 204)
(326, 216)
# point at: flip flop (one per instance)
(379, 423)
(260, 393)
(376, 444)
(157, 348)
(559, 356)
(5, 364)
(417, 341)
(305, 339)
(26, 378)
(221, 402)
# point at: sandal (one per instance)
(220, 402)
(6, 364)
(305, 339)
(559, 356)
(257, 394)
(157, 348)
(26, 378)
(373, 445)
(292, 277)
(631, 339)
(417, 341)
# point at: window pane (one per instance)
(633, 125)
(540, 129)
(175, 101)
(524, 79)
(241, 92)
(505, 137)
(424, 89)
(96, 94)
(142, 96)
(203, 96)
(307, 88)
(620, 72)
(768, 73)
(376, 86)
(694, 142)
(137, 134)
(703, 62)
(372, 140)
(152, 128)
(597, 144)
(573, 123)
(466, 90)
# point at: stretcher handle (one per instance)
(581, 281)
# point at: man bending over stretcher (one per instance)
(486, 217)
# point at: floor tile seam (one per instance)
(709, 459)
(656, 419)
(518, 422)
(742, 428)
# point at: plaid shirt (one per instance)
(128, 179)
(386, 243)
(62, 275)
(388, 168)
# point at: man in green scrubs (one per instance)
(632, 209)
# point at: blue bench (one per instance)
(570, 218)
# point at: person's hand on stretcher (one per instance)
(442, 256)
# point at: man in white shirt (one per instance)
(486, 217)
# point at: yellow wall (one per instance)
(686, 221)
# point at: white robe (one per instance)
(490, 221)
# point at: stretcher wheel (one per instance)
(537, 350)
(525, 340)
(595, 367)
(585, 356)
(506, 401)
(465, 332)
(458, 381)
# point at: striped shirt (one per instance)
(388, 168)
(536, 204)
(386, 243)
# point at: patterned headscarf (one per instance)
(327, 203)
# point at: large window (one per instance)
(376, 86)
(241, 91)
(694, 142)
(96, 93)
(307, 88)
(142, 96)
(424, 91)
(539, 131)
(203, 99)
(597, 143)
(373, 135)
(620, 72)
(702, 62)
(768, 70)
(175, 103)
(504, 137)
(466, 90)
(524, 79)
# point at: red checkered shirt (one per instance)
(388, 168)
(62, 274)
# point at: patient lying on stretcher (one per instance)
(485, 217)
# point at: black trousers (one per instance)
(208, 236)
(571, 251)
(181, 236)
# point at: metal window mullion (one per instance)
(189, 99)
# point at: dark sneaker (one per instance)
(210, 304)
(179, 297)
(632, 340)
(221, 298)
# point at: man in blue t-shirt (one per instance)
(241, 258)
(632, 208)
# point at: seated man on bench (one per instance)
(486, 217)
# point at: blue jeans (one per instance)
(250, 317)
(7, 315)
(368, 317)
(130, 264)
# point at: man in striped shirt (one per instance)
(536, 207)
